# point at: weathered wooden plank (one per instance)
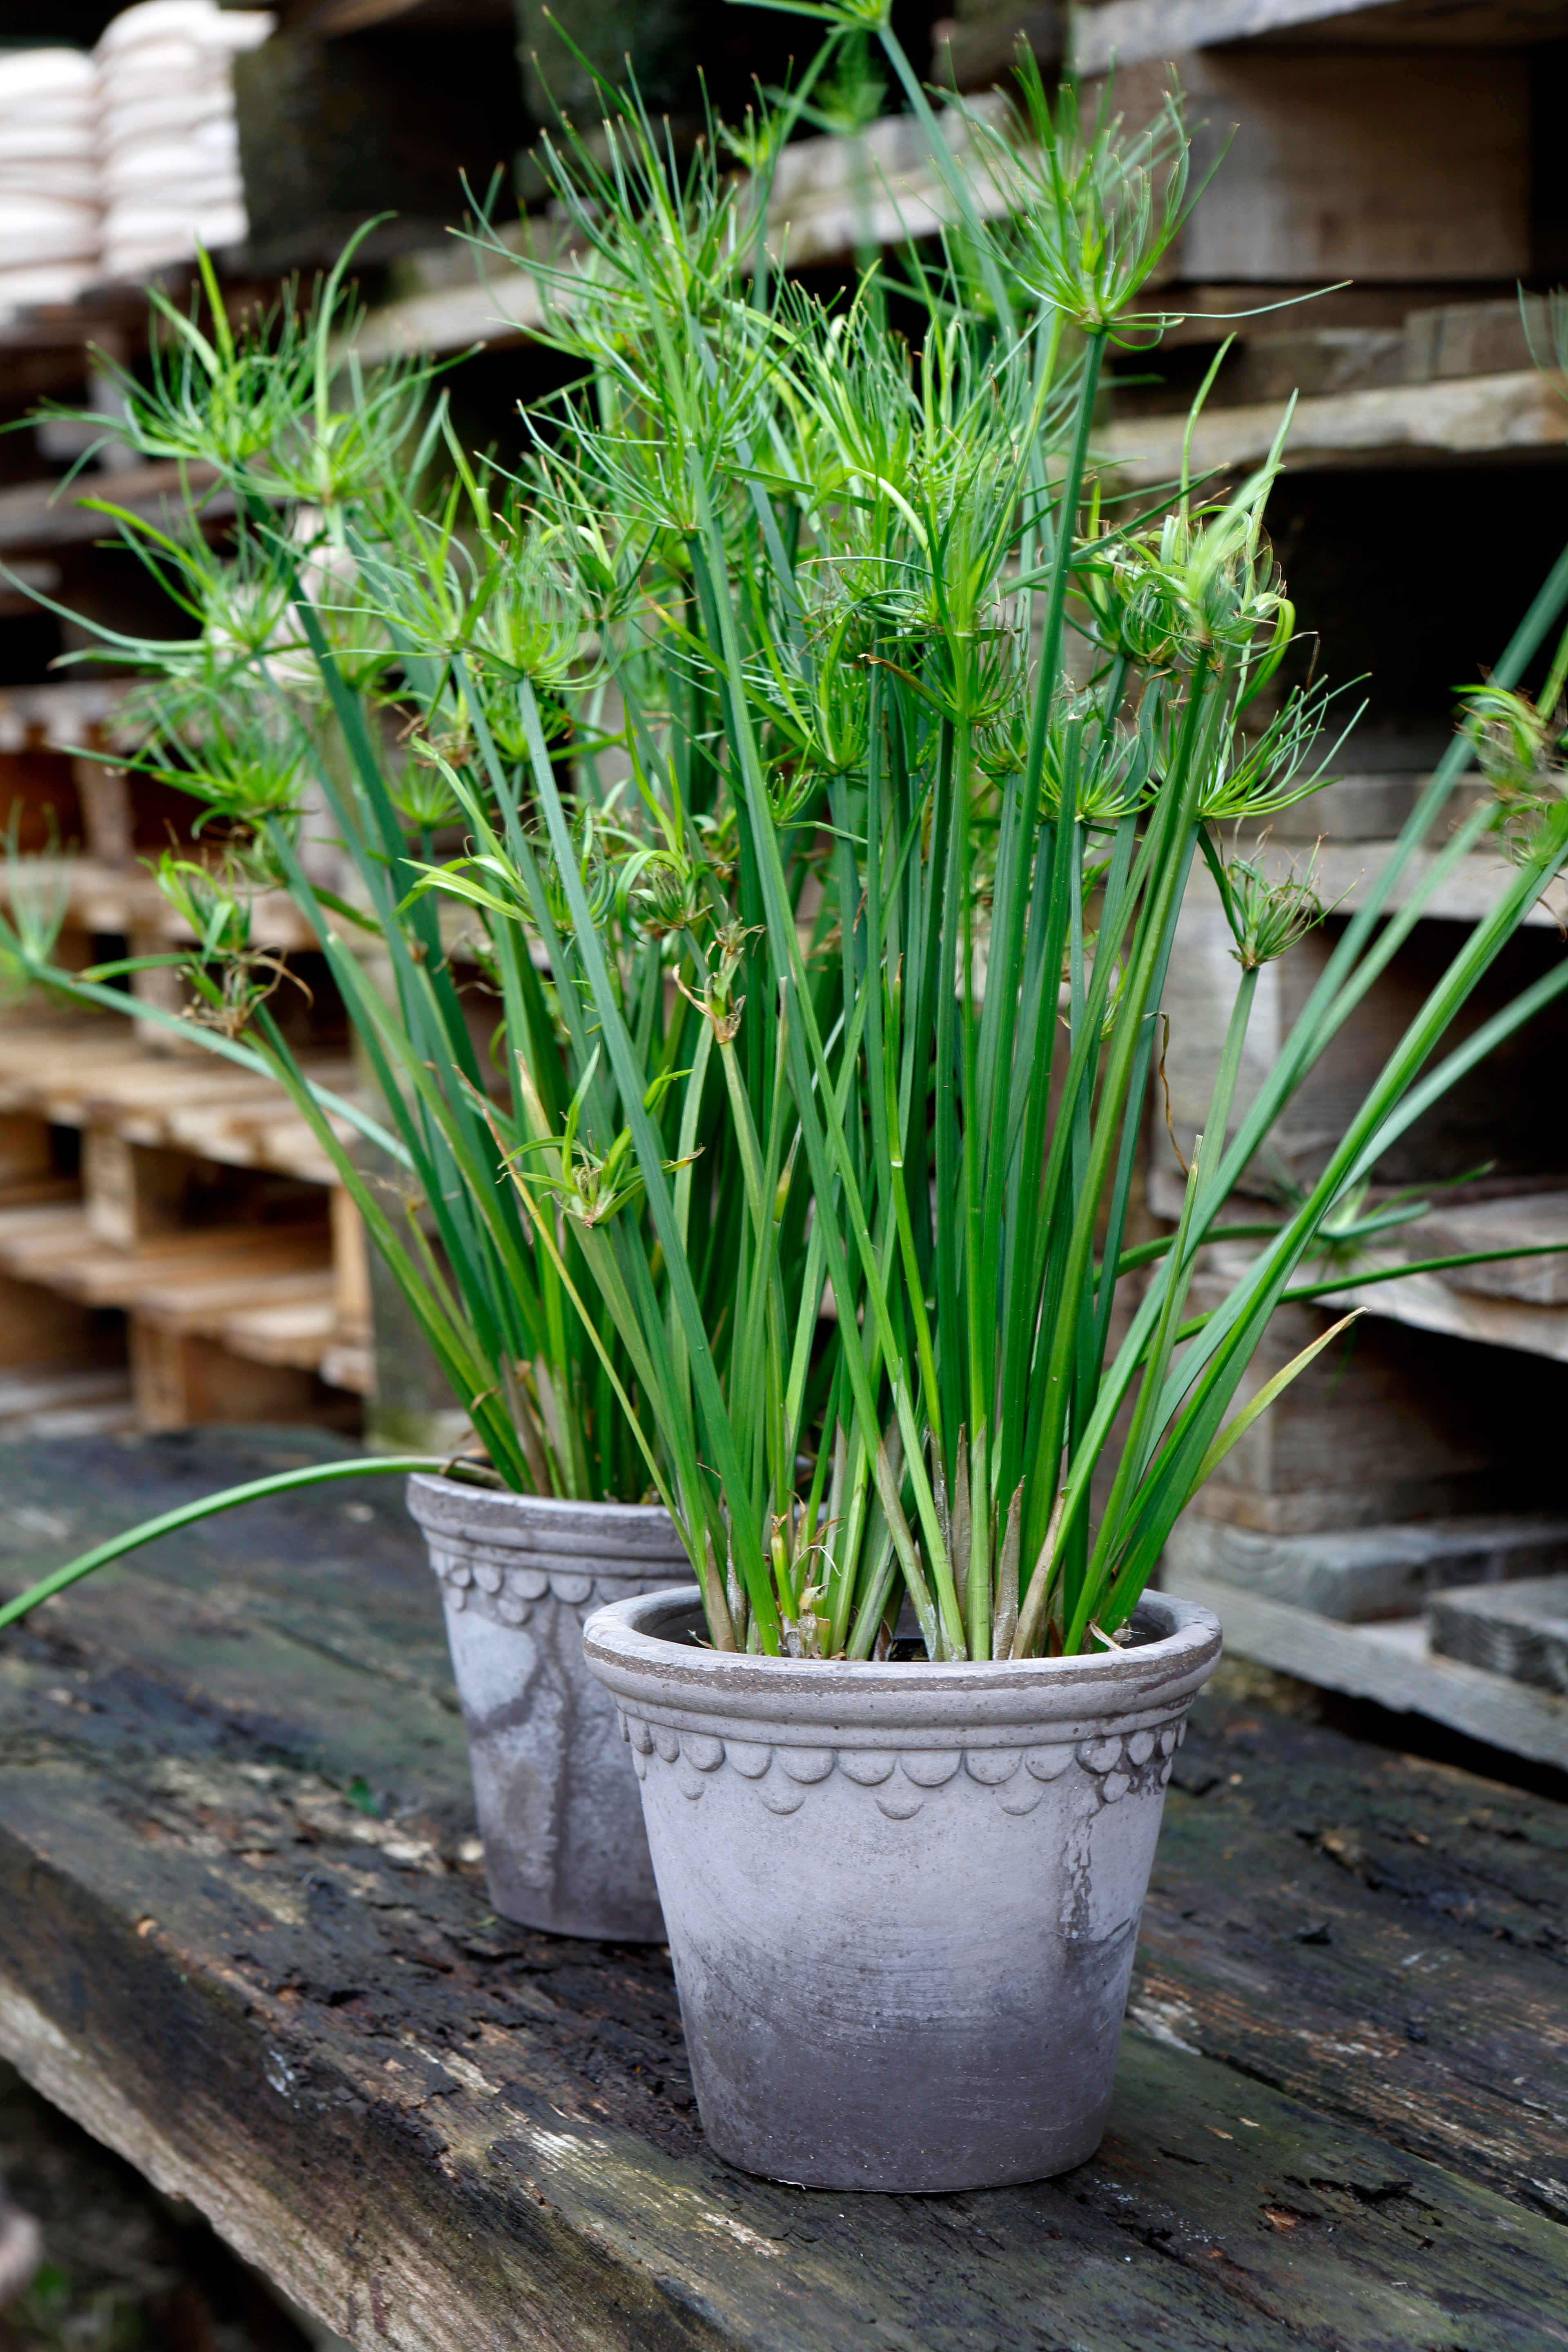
(1425, 1302)
(76, 1398)
(265, 2117)
(1346, 871)
(1355, 1573)
(1402, 168)
(1458, 418)
(89, 1073)
(830, 195)
(1127, 31)
(1383, 1938)
(60, 713)
(1527, 1221)
(1520, 1632)
(436, 2130)
(1391, 1664)
(104, 894)
(45, 515)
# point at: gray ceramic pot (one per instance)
(563, 1839)
(901, 1900)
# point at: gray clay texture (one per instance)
(902, 1899)
(558, 1810)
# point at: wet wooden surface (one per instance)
(243, 1939)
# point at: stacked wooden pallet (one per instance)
(200, 1235)
(174, 1244)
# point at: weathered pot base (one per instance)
(902, 1900)
(558, 1812)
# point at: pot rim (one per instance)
(654, 1676)
(451, 1512)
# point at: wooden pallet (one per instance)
(263, 1315)
(244, 1324)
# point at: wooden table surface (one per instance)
(244, 1938)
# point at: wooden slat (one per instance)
(1440, 423)
(31, 1238)
(1425, 1302)
(830, 196)
(47, 514)
(92, 1073)
(54, 1400)
(1356, 1574)
(1528, 1221)
(222, 1273)
(54, 1246)
(222, 1297)
(1390, 1663)
(279, 1330)
(1129, 32)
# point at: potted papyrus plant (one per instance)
(388, 646)
(854, 976)
(975, 733)
(366, 601)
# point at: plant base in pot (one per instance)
(558, 1810)
(902, 1899)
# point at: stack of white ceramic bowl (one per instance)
(50, 228)
(170, 145)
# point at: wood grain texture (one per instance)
(244, 1938)
(1125, 31)
(1390, 1663)
(1417, 424)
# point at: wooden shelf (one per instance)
(1459, 419)
(1131, 32)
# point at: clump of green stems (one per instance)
(828, 765)
(380, 659)
(871, 556)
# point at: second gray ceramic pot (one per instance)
(902, 1899)
(558, 1810)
